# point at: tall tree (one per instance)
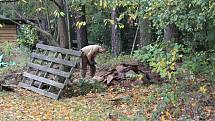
(171, 32)
(62, 26)
(145, 32)
(115, 34)
(82, 29)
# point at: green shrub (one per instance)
(161, 57)
(107, 61)
(7, 49)
(199, 64)
(27, 36)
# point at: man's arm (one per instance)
(91, 57)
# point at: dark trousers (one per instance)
(84, 63)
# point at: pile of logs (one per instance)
(127, 74)
(9, 81)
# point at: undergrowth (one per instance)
(19, 56)
(107, 61)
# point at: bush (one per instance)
(107, 61)
(27, 36)
(199, 64)
(161, 57)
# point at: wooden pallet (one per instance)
(49, 70)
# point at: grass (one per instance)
(20, 55)
(106, 61)
(145, 102)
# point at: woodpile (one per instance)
(9, 81)
(127, 74)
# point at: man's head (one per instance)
(102, 50)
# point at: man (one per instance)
(88, 58)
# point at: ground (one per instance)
(26, 105)
(138, 103)
(87, 101)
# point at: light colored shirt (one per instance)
(91, 51)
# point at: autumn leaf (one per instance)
(203, 89)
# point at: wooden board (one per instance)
(42, 64)
(40, 91)
(58, 49)
(55, 60)
(8, 33)
(44, 80)
(49, 70)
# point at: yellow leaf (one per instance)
(172, 66)
(105, 4)
(112, 21)
(203, 89)
(162, 63)
(79, 24)
(101, 3)
(24, 1)
(167, 114)
(121, 26)
(163, 118)
(1, 25)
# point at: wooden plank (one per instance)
(12, 41)
(7, 39)
(8, 35)
(50, 70)
(5, 31)
(55, 60)
(58, 49)
(9, 26)
(43, 80)
(40, 91)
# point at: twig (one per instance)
(135, 38)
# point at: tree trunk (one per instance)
(82, 31)
(115, 35)
(145, 33)
(62, 28)
(68, 22)
(171, 32)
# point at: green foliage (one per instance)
(107, 61)
(98, 32)
(84, 86)
(17, 61)
(199, 64)
(7, 49)
(161, 57)
(27, 36)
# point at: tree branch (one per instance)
(50, 37)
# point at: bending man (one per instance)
(88, 58)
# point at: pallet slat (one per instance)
(43, 80)
(58, 49)
(9, 31)
(49, 70)
(55, 60)
(37, 90)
